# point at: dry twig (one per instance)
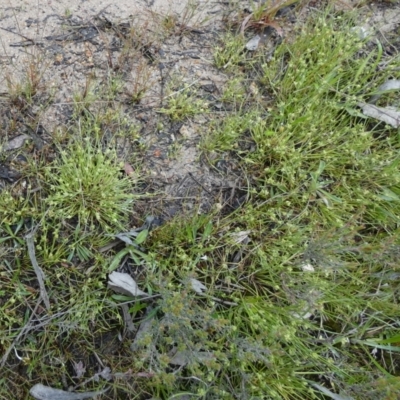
(39, 273)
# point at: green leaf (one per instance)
(355, 113)
(133, 250)
(393, 339)
(135, 258)
(207, 231)
(117, 259)
(388, 195)
(383, 347)
(121, 297)
(4, 239)
(152, 313)
(375, 343)
(137, 307)
(142, 236)
(331, 196)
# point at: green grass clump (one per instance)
(234, 128)
(87, 184)
(14, 208)
(234, 92)
(313, 158)
(82, 197)
(230, 53)
(327, 164)
(183, 104)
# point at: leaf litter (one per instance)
(42, 392)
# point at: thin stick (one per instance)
(34, 42)
(38, 270)
(207, 191)
(182, 90)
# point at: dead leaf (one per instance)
(123, 283)
(145, 328)
(328, 393)
(253, 43)
(388, 86)
(79, 369)
(389, 115)
(308, 267)
(241, 237)
(129, 169)
(106, 374)
(16, 142)
(41, 392)
(197, 286)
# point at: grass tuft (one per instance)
(87, 184)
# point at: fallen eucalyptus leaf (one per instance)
(361, 31)
(16, 142)
(141, 233)
(388, 86)
(123, 283)
(145, 328)
(241, 237)
(126, 239)
(389, 115)
(253, 43)
(244, 24)
(307, 268)
(328, 393)
(41, 392)
(197, 286)
(79, 369)
(106, 374)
